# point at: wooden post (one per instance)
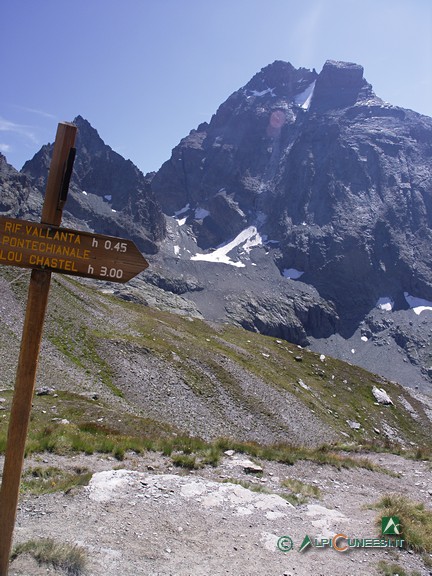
(29, 352)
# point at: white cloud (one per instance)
(35, 111)
(307, 30)
(4, 148)
(21, 129)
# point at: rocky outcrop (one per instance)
(232, 153)
(338, 179)
(108, 192)
(292, 319)
(14, 188)
(340, 85)
(176, 284)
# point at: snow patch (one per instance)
(364, 338)
(261, 93)
(249, 238)
(201, 213)
(292, 273)
(304, 99)
(85, 193)
(385, 303)
(176, 250)
(182, 221)
(419, 305)
(108, 197)
(255, 239)
(181, 211)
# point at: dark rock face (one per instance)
(108, 192)
(231, 154)
(292, 319)
(14, 189)
(340, 85)
(339, 178)
(175, 284)
(353, 206)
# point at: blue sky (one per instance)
(145, 72)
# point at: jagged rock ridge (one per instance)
(317, 191)
(107, 192)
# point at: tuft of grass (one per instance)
(290, 454)
(212, 456)
(92, 427)
(423, 453)
(248, 485)
(295, 499)
(188, 461)
(427, 560)
(394, 569)
(67, 557)
(194, 454)
(45, 480)
(415, 520)
(300, 492)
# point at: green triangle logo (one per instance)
(390, 526)
(305, 544)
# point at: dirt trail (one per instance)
(143, 517)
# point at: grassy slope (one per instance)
(84, 326)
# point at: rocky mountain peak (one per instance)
(300, 210)
(88, 137)
(280, 79)
(338, 180)
(107, 191)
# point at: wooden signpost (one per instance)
(45, 247)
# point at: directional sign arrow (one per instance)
(43, 247)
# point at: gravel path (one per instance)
(145, 517)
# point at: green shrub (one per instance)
(415, 520)
(188, 461)
(67, 557)
(44, 480)
(300, 492)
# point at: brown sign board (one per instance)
(43, 247)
